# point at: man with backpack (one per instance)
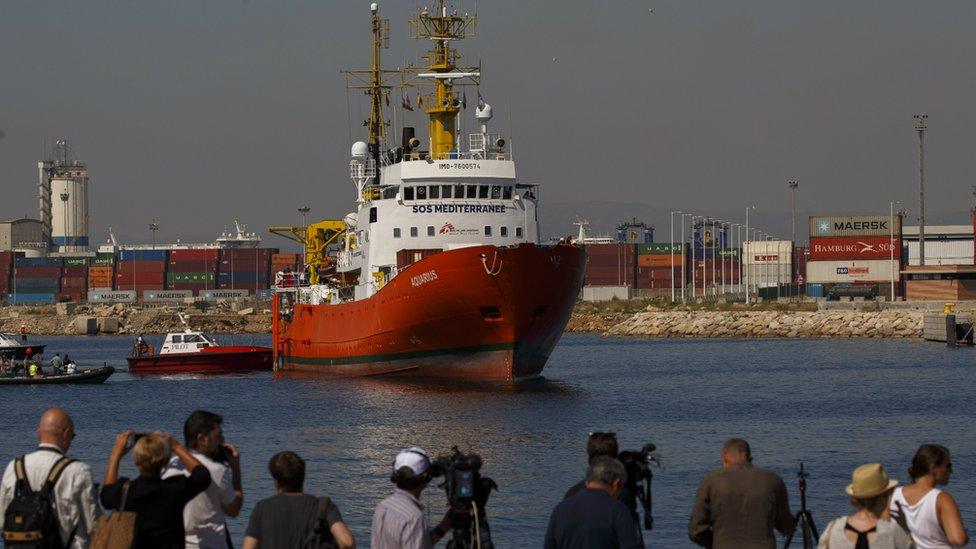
(46, 498)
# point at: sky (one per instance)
(199, 112)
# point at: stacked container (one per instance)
(74, 279)
(654, 265)
(6, 263)
(854, 249)
(611, 265)
(280, 262)
(723, 270)
(35, 280)
(101, 272)
(244, 269)
(141, 270)
(194, 270)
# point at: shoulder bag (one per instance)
(118, 530)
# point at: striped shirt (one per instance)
(399, 522)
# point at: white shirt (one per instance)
(75, 498)
(399, 523)
(922, 519)
(203, 517)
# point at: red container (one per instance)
(74, 271)
(140, 267)
(70, 296)
(37, 272)
(247, 253)
(854, 247)
(123, 279)
(192, 266)
(622, 250)
(74, 281)
(194, 255)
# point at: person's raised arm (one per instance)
(951, 520)
(233, 508)
(119, 450)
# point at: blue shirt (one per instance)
(592, 518)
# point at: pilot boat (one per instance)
(191, 351)
(12, 346)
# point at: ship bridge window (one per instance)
(372, 214)
(192, 338)
(434, 192)
(421, 193)
(472, 191)
(459, 191)
(503, 231)
(482, 191)
(487, 230)
(396, 232)
(430, 230)
(496, 192)
(446, 191)
(413, 232)
(408, 193)
(518, 232)
(507, 192)
(177, 339)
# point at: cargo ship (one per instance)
(439, 272)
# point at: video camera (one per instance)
(467, 495)
(638, 465)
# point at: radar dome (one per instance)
(483, 112)
(359, 150)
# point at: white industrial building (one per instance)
(944, 244)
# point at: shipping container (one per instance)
(247, 254)
(660, 260)
(855, 247)
(872, 270)
(665, 248)
(74, 271)
(100, 271)
(248, 277)
(210, 255)
(191, 266)
(20, 283)
(37, 272)
(38, 262)
(104, 260)
(942, 252)
(616, 250)
(141, 267)
(110, 296)
(123, 279)
(855, 225)
(157, 296)
(74, 282)
(197, 277)
(21, 298)
(815, 290)
(76, 261)
(143, 255)
(216, 295)
(763, 252)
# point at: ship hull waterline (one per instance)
(474, 313)
(218, 360)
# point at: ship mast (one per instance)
(443, 105)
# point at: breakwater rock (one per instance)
(771, 324)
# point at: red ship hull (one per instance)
(213, 360)
(478, 313)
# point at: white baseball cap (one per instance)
(415, 458)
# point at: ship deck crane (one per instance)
(315, 239)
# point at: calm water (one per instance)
(833, 404)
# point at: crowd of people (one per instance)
(33, 365)
(185, 491)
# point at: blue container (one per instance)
(20, 298)
(144, 255)
(264, 294)
(815, 290)
(38, 262)
(26, 283)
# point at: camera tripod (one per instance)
(803, 520)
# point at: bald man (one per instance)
(74, 494)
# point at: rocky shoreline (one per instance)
(621, 319)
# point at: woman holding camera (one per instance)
(868, 527)
(929, 514)
(157, 503)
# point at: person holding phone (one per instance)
(158, 503)
(204, 518)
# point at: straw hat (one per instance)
(869, 480)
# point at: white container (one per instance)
(942, 252)
(872, 270)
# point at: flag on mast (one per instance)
(406, 103)
(481, 101)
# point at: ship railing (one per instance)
(362, 169)
(459, 155)
(484, 146)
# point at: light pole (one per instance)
(793, 185)
(153, 226)
(694, 265)
(891, 244)
(748, 280)
(920, 127)
(684, 259)
(64, 209)
(671, 247)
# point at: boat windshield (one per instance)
(7, 341)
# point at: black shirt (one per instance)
(158, 505)
(284, 521)
(592, 518)
(625, 496)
